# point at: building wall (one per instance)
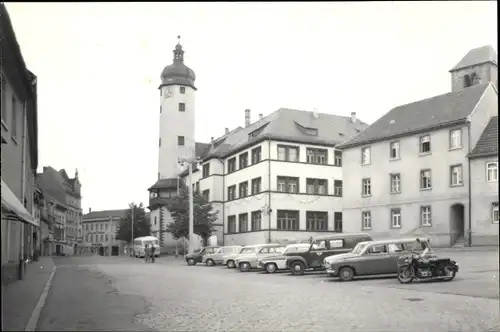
(172, 124)
(483, 194)
(101, 232)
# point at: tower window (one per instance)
(183, 89)
(182, 107)
(160, 109)
(180, 140)
(159, 143)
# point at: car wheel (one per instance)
(271, 267)
(191, 262)
(244, 267)
(230, 264)
(297, 268)
(210, 262)
(346, 274)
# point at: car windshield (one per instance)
(359, 248)
(220, 250)
(247, 250)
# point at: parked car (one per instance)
(197, 255)
(246, 262)
(321, 248)
(278, 262)
(371, 258)
(217, 258)
(230, 259)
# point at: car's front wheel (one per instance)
(297, 268)
(191, 262)
(346, 273)
(230, 264)
(271, 267)
(210, 262)
(244, 267)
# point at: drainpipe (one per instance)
(269, 188)
(23, 191)
(469, 183)
(223, 201)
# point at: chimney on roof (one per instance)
(90, 210)
(261, 116)
(212, 139)
(315, 113)
(227, 131)
(247, 117)
(353, 117)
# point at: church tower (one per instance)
(478, 66)
(177, 115)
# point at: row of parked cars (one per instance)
(345, 256)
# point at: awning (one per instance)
(15, 209)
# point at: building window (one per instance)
(155, 221)
(3, 99)
(455, 139)
(231, 165)
(396, 218)
(231, 193)
(243, 222)
(159, 142)
(231, 224)
(182, 107)
(243, 160)
(288, 153)
(425, 144)
(366, 220)
(316, 221)
(243, 189)
(256, 185)
(425, 216)
(395, 183)
(256, 155)
(366, 187)
(256, 220)
(337, 156)
(288, 184)
(288, 220)
(161, 108)
(182, 89)
(492, 171)
(494, 212)
(365, 156)
(317, 156)
(14, 117)
(394, 150)
(180, 140)
(456, 175)
(337, 222)
(317, 186)
(337, 188)
(425, 179)
(206, 170)
(206, 195)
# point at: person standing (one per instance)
(146, 253)
(153, 253)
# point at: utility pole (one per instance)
(110, 235)
(191, 209)
(132, 240)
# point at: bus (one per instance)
(140, 245)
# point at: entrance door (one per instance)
(58, 249)
(457, 222)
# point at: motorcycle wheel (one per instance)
(450, 273)
(405, 274)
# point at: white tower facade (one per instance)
(177, 116)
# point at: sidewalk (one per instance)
(473, 248)
(20, 298)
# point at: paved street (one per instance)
(101, 293)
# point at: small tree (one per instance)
(204, 216)
(142, 226)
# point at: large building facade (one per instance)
(409, 172)
(99, 232)
(19, 153)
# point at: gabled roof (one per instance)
(105, 214)
(431, 113)
(289, 125)
(487, 145)
(477, 56)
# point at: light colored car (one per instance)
(246, 262)
(278, 262)
(372, 258)
(217, 258)
(230, 260)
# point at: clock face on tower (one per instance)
(168, 92)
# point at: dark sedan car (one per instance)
(197, 255)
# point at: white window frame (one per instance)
(424, 139)
(396, 218)
(458, 176)
(395, 178)
(494, 212)
(455, 139)
(494, 171)
(366, 187)
(426, 216)
(396, 147)
(366, 220)
(365, 156)
(422, 172)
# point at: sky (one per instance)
(99, 66)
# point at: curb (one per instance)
(469, 249)
(35, 315)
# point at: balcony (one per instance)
(157, 201)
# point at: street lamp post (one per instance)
(191, 203)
